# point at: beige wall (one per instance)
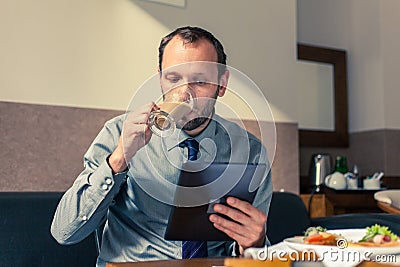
(390, 42)
(88, 57)
(91, 53)
(96, 53)
(368, 31)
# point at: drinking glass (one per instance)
(172, 108)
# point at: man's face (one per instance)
(192, 67)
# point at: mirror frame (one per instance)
(339, 137)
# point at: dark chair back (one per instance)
(25, 239)
(287, 217)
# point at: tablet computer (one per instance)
(202, 185)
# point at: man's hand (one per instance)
(248, 226)
(135, 134)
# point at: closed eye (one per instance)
(200, 83)
(173, 79)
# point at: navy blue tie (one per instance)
(192, 146)
(193, 249)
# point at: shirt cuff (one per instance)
(103, 181)
(235, 249)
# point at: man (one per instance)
(126, 153)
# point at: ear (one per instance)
(159, 75)
(223, 83)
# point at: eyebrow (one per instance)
(171, 73)
(166, 73)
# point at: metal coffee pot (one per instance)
(320, 167)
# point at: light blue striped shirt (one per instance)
(134, 204)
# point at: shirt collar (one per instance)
(179, 135)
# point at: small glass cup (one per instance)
(174, 106)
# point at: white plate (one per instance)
(388, 196)
(337, 255)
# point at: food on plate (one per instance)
(378, 235)
(319, 236)
(375, 236)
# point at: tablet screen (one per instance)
(202, 186)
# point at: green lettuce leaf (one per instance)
(378, 230)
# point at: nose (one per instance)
(186, 95)
(184, 92)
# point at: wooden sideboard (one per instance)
(330, 202)
(351, 201)
(320, 206)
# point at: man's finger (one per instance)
(235, 236)
(234, 214)
(232, 226)
(147, 108)
(139, 119)
(247, 209)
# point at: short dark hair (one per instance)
(191, 34)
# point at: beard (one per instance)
(193, 124)
(204, 115)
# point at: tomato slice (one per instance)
(314, 238)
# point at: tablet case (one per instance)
(188, 222)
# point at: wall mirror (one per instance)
(335, 133)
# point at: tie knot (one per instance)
(192, 146)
